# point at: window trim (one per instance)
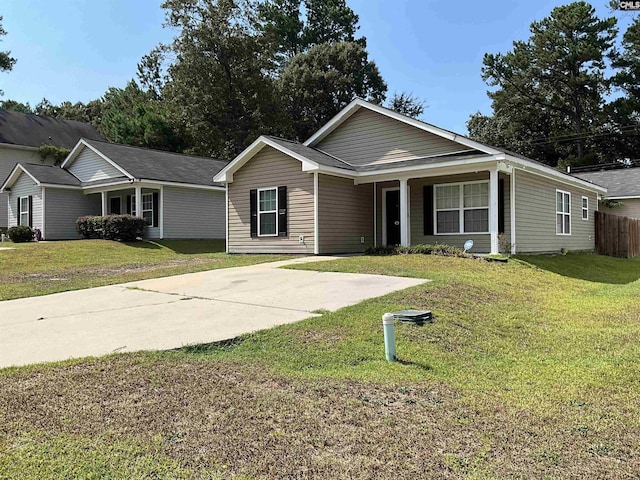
(21, 212)
(461, 208)
(585, 210)
(563, 192)
(142, 209)
(267, 211)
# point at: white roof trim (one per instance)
(80, 146)
(628, 197)
(14, 175)
(226, 174)
(179, 184)
(358, 103)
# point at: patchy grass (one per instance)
(527, 372)
(33, 269)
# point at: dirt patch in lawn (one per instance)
(244, 420)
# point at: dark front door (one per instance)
(393, 217)
(115, 205)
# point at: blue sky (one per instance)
(75, 49)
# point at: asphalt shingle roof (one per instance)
(312, 154)
(50, 174)
(31, 130)
(143, 163)
(623, 182)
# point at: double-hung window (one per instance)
(147, 208)
(585, 208)
(563, 213)
(24, 211)
(462, 208)
(268, 212)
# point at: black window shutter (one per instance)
(18, 212)
(501, 205)
(128, 204)
(253, 205)
(427, 202)
(156, 209)
(30, 211)
(282, 211)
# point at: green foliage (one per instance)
(316, 85)
(421, 249)
(125, 228)
(16, 106)
(51, 151)
(20, 234)
(81, 112)
(407, 104)
(550, 88)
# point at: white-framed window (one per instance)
(585, 208)
(268, 212)
(24, 211)
(461, 208)
(563, 213)
(147, 207)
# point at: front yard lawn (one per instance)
(530, 370)
(32, 269)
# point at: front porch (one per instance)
(138, 201)
(449, 207)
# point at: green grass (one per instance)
(32, 269)
(530, 370)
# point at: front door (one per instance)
(393, 217)
(115, 205)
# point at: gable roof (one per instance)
(146, 164)
(620, 183)
(41, 175)
(30, 130)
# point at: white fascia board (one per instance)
(629, 197)
(107, 187)
(552, 173)
(226, 174)
(65, 187)
(13, 176)
(80, 146)
(417, 171)
(158, 183)
(358, 103)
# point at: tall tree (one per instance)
(553, 85)
(16, 106)
(6, 60)
(316, 85)
(407, 104)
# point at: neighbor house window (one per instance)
(462, 208)
(563, 213)
(585, 208)
(267, 212)
(24, 211)
(147, 208)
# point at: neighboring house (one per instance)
(22, 134)
(623, 184)
(175, 193)
(371, 176)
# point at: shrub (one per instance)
(20, 234)
(126, 228)
(422, 249)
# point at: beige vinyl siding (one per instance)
(62, 209)
(630, 208)
(368, 137)
(8, 159)
(89, 166)
(271, 168)
(23, 187)
(193, 213)
(536, 216)
(345, 215)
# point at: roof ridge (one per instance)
(154, 150)
(311, 148)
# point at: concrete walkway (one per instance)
(171, 312)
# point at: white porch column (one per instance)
(138, 202)
(161, 212)
(513, 210)
(404, 212)
(103, 196)
(493, 210)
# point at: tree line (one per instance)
(568, 95)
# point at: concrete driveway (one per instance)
(171, 312)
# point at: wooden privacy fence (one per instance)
(617, 236)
